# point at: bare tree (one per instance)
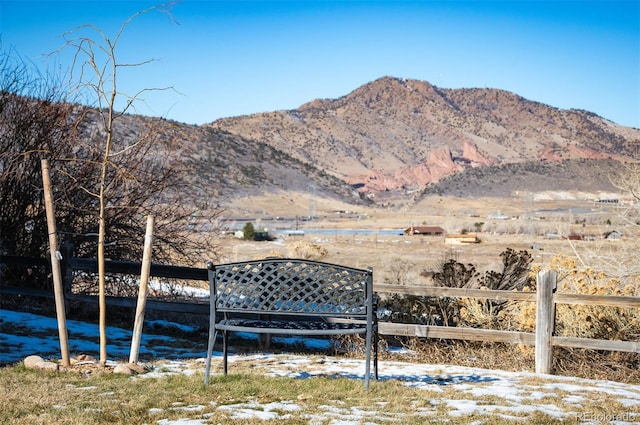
(117, 189)
(618, 258)
(34, 119)
(628, 180)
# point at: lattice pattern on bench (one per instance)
(291, 287)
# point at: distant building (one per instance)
(607, 201)
(258, 235)
(467, 238)
(424, 230)
(497, 216)
(261, 235)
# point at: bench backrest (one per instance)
(291, 286)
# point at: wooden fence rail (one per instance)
(543, 339)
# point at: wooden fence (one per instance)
(542, 339)
(69, 265)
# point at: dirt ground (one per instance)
(537, 223)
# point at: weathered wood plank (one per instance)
(132, 267)
(583, 299)
(596, 344)
(445, 332)
(433, 291)
(600, 300)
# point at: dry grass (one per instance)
(569, 362)
(36, 397)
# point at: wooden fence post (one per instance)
(55, 264)
(142, 292)
(545, 320)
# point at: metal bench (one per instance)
(292, 297)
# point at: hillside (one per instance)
(225, 165)
(584, 175)
(397, 134)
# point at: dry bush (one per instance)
(299, 249)
(275, 254)
(440, 311)
(582, 321)
(400, 272)
(308, 251)
(593, 321)
(515, 276)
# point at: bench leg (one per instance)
(367, 368)
(264, 340)
(210, 344)
(375, 353)
(225, 345)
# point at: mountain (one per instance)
(393, 141)
(403, 135)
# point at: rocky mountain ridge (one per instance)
(397, 134)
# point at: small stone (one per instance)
(49, 366)
(136, 368)
(123, 370)
(86, 358)
(31, 362)
(37, 362)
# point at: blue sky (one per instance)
(228, 58)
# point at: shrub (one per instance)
(453, 274)
(249, 231)
(583, 321)
(514, 276)
(599, 322)
(308, 251)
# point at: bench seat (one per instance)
(290, 327)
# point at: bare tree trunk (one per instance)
(101, 261)
(102, 227)
(102, 299)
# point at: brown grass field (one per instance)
(527, 227)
